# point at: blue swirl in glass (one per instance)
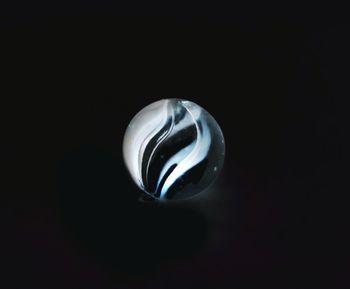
(173, 149)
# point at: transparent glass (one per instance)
(173, 149)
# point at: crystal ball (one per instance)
(173, 149)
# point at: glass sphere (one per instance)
(173, 149)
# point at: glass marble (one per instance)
(173, 149)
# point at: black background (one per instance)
(73, 77)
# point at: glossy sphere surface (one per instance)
(173, 149)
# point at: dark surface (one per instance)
(74, 76)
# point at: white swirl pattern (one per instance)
(169, 145)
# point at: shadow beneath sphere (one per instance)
(99, 208)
